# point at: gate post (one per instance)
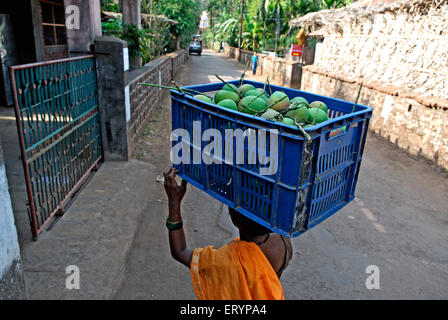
(110, 60)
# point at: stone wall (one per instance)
(403, 48)
(283, 72)
(11, 276)
(415, 124)
(399, 50)
(143, 99)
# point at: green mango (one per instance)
(203, 98)
(316, 115)
(300, 114)
(319, 104)
(279, 101)
(227, 103)
(224, 94)
(252, 105)
(299, 100)
(230, 87)
(256, 93)
(244, 88)
(288, 121)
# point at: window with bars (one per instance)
(53, 23)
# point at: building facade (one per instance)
(36, 30)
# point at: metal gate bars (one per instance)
(56, 107)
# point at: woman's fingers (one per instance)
(183, 185)
(167, 172)
(170, 176)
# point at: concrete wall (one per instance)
(144, 99)
(415, 124)
(11, 277)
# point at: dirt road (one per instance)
(398, 223)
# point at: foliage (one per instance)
(265, 23)
(157, 37)
(185, 12)
(330, 4)
(112, 27)
(137, 39)
(110, 5)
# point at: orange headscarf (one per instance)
(237, 271)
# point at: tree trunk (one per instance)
(132, 15)
(277, 32)
(264, 35)
(211, 27)
(240, 42)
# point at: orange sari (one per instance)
(237, 271)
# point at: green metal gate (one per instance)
(56, 105)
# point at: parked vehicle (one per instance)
(196, 37)
(196, 47)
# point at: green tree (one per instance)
(265, 22)
(110, 5)
(185, 12)
(331, 4)
(262, 16)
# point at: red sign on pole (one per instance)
(296, 50)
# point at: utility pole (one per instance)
(240, 42)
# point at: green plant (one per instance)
(228, 31)
(265, 23)
(330, 4)
(186, 13)
(110, 5)
(137, 40)
(112, 27)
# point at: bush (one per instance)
(138, 40)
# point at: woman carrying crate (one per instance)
(248, 268)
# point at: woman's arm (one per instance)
(178, 244)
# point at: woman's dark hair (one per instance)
(251, 227)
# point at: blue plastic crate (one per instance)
(314, 180)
